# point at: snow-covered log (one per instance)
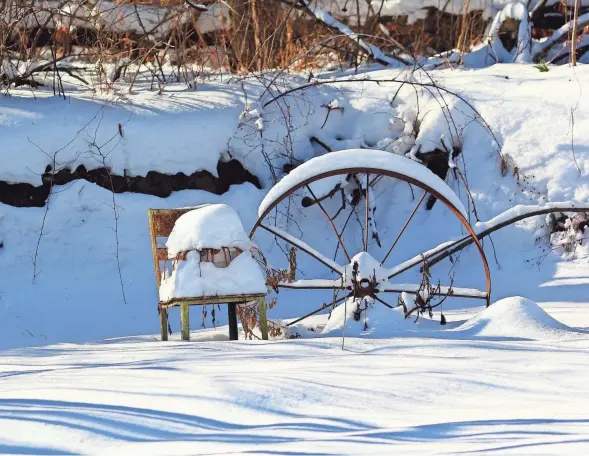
(373, 52)
(540, 50)
(521, 52)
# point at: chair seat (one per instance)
(206, 300)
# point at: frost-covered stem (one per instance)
(573, 109)
(54, 164)
(574, 37)
(116, 229)
(103, 160)
(463, 28)
(463, 179)
(36, 255)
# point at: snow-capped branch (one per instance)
(373, 52)
(10, 75)
(558, 36)
(196, 6)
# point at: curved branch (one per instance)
(373, 52)
(402, 82)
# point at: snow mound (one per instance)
(376, 321)
(211, 226)
(515, 317)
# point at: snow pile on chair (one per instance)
(210, 254)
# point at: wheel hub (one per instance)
(364, 275)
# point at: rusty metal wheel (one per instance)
(351, 189)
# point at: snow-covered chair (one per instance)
(211, 263)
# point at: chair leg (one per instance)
(232, 313)
(263, 318)
(185, 321)
(164, 324)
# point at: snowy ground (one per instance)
(407, 395)
(484, 388)
(529, 111)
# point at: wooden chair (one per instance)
(161, 223)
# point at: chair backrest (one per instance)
(161, 224)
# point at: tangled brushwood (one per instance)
(98, 43)
(568, 234)
(427, 297)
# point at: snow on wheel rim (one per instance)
(339, 162)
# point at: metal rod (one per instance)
(323, 307)
(342, 232)
(382, 302)
(404, 228)
(301, 245)
(339, 239)
(290, 286)
(453, 295)
(367, 197)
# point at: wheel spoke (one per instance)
(413, 288)
(323, 307)
(383, 302)
(304, 247)
(314, 284)
(339, 239)
(367, 215)
(342, 232)
(404, 227)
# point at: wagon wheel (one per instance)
(349, 185)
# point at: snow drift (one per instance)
(376, 321)
(529, 112)
(515, 317)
